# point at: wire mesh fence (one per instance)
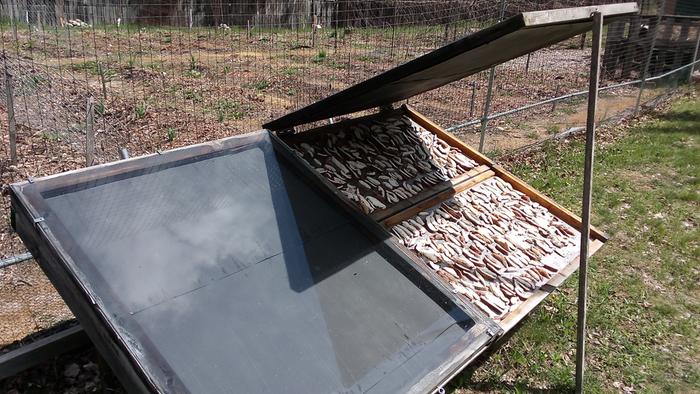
(94, 76)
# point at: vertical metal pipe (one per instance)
(11, 125)
(586, 204)
(489, 93)
(123, 153)
(662, 7)
(695, 57)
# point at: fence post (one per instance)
(101, 71)
(393, 34)
(556, 94)
(651, 53)
(527, 64)
(314, 23)
(489, 93)
(14, 23)
(471, 105)
(12, 127)
(89, 133)
(594, 81)
(695, 57)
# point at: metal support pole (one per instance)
(12, 127)
(695, 57)
(489, 93)
(90, 132)
(587, 194)
(651, 53)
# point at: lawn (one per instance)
(644, 309)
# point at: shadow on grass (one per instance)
(464, 380)
(689, 118)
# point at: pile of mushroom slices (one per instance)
(491, 244)
(380, 162)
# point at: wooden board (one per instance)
(41, 350)
(437, 198)
(448, 188)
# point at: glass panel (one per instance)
(231, 272)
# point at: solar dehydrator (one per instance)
(376, 254)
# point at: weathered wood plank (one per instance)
(436, 199)
(42, 350)
(427, 194)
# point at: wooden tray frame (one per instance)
(438, 193)
(598, 238)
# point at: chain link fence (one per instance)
(84, 78)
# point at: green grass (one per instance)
(644, 305)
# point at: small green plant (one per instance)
(89, 66)
(51, 136)
(193, 62)
(34, 80)
(532, 135)
(167, 39)
(193, 95)
(140, 111)
(193, 73)
(258, 85)
(172, 133)
(29, 45)
(568, 110)
(291, 92)
(336, 65)
(553, 129)
(228, 110)
(320, 56)
(290, 71)
(227, 69)
(193, 70)
(131, 63)
(155, 66)
(100, 108)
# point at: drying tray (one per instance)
(432, 197)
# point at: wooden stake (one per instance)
(90, 133)
(12, 127)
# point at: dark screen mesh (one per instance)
(229, 272)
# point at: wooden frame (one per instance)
(437, 194)
(562, 213)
